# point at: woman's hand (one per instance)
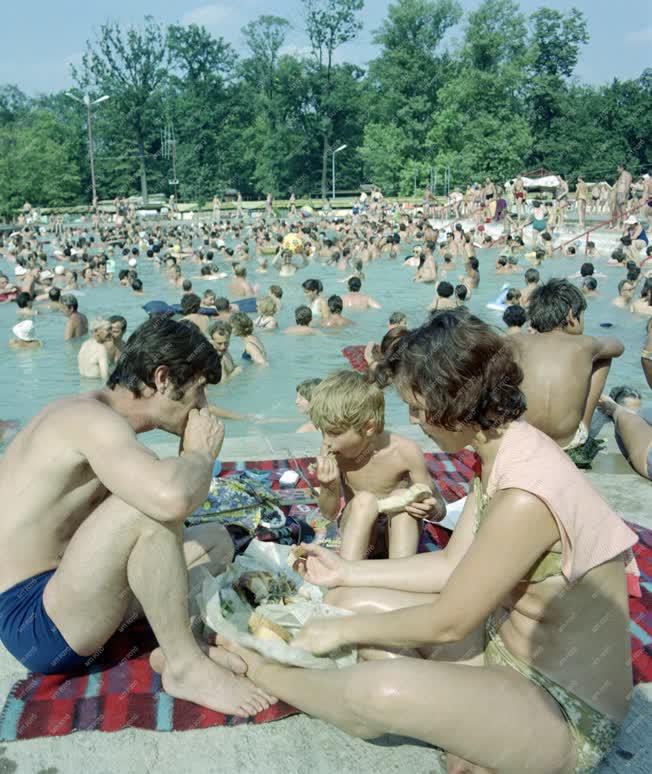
(322, 567)
(320, 636)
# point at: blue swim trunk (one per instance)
(30, 635)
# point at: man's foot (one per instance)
(254, 661)
(211, 685)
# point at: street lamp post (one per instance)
(337, 150)
(88, 104)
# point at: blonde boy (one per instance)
(363, 463)
(302, 402)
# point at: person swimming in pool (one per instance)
(242, 326)
(94, 516)
(302, 318)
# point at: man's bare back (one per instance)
(558, 368)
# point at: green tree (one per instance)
(329, 24)
(198, 104)
(131, 66)
(556, 40)
(404, 80)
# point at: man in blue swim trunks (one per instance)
(92, 531)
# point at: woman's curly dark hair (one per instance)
(464, 371)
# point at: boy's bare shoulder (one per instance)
(403, 446)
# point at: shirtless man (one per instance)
(519, 196)
(335, 317)
(445, 298)
(94, 357)
(581, 198)
(621, 186)
(239, 286)
(354, 299)
(77, 324)
(565, 371)
(92, 535)
(532, 279)
(625, 294)
(190, 306)
(219, 333)
(303, 318)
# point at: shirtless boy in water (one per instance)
(363, 463)
(92, 531)
(565, 371)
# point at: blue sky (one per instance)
(38, 42)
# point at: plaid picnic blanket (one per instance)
(124, 692)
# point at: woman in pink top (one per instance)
(509, 649)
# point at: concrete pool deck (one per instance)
(301, 744)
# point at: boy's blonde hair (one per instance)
(346, 400)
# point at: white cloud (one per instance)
(640, 37)
(210, 16)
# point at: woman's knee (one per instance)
(365, 699)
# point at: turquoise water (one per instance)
(28, 380)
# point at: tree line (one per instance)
(489, 93)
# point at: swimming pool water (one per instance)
(28, 380)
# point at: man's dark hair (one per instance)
(590, 283)
(474, 263)
(160, 341)
(335, 305)
(445, 289)
(190, 304)
(633, 274)
(313, 285)
(355, 284)
(222, 304)
(186, 285)
(137, 285)
(551, 303)
(118, 318)
(514, 316)
(303, 315)
(587, 269)
(276, 290)
(532, 275)
(70, 301)
(22, 299)
(461, 291)
(54, 294)
(396, 318)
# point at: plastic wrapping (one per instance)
(223, 610)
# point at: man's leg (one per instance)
(635, 433)
(118, 551)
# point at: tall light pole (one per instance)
(337, 150)
(89, 103)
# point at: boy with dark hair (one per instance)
(303, 318)
(565, 371)
(532, 279)
(354, 299)
(444, 298)
(335, 318)
(514, 318)
(190, 306)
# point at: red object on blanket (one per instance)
(355, 356)
(122, 692)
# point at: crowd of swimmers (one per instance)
(509, 649)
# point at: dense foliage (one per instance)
(488, 93)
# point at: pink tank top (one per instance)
(591, 532)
